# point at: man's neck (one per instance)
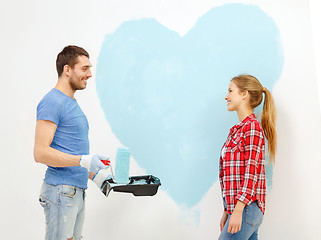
(63, 86)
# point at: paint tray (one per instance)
(138, 186)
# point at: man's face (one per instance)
(80, 73)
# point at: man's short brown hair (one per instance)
(68, 56)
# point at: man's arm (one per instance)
(43, 153)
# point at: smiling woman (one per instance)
(242, 161)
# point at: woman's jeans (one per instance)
(251, 220)
(64, 208)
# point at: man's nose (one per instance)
(89, 74)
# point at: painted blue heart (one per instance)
(163, 94)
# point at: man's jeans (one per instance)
(251, 220)
(64, 208)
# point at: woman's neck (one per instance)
(242, 114)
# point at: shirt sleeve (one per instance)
(48, 109)
(221, 172)
(253, 140)
(221, 177)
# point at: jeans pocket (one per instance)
(253, 215)
(68, 191)
(43, 202)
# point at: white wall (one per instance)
(33, 32)
(315, 7)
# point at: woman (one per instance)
(242, 172)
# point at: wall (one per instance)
(35, 31)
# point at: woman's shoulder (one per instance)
(252, 124)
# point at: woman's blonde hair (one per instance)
(256, 90)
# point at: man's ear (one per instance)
(67, 70)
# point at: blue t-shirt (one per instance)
(71, 136)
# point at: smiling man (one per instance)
(61, 143)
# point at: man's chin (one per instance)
(80, 88)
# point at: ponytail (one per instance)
(253, 86)
(268, 123)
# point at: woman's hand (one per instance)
(235, 222)
(223, 220)
(236, 218)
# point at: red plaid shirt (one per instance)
(242, 172)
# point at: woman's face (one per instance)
(234, 97)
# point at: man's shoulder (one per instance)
(53, 94)
(53, 98)
(50, 104)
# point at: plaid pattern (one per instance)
(242, 172)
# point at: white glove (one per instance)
(101, 176)
(93, 162)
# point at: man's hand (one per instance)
(101, 176)
(93, 162)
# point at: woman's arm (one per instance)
(223, 219)
(253, 142)
(253, 145)
(236, 218)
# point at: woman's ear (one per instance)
(245, 94)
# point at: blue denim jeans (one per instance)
(64, 208)
(251, 220)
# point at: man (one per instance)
(61, 143)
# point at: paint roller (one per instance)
(121, 182)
